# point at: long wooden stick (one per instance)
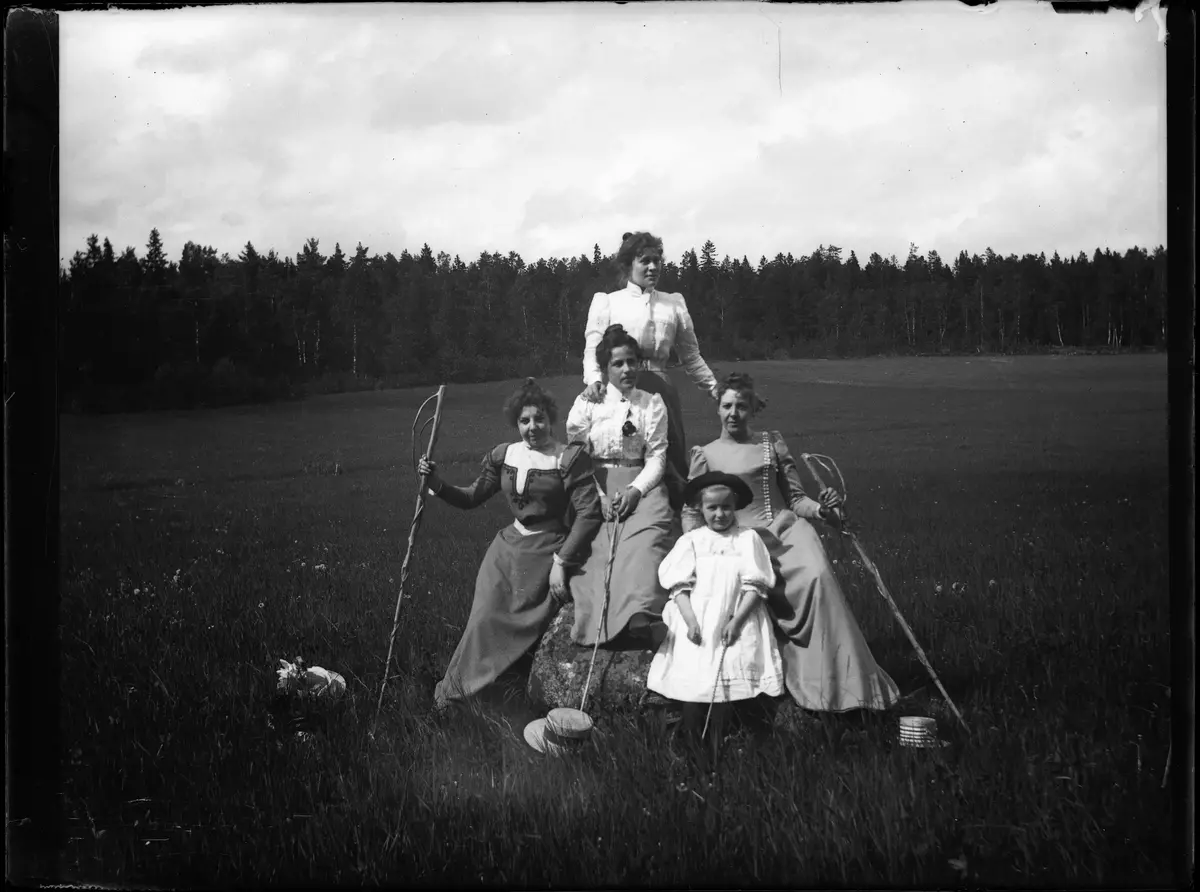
(720, 663)
(870, 565)
(614, 533)
(422, 491)
(883, 590)
(810, 462)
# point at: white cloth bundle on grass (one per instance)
(309, 681)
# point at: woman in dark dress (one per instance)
(551, 491)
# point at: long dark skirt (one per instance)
(636, 597)
(827, 663)
(677, 456)
(512, 609)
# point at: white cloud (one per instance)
(547, 128)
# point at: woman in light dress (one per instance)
(551, 491)
(626, 435)
(827, 663)
(659, 322)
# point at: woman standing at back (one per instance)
(659, 322)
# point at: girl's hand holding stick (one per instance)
(748, 599)
(729, 634)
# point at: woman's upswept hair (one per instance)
(632, 245)
(742, 384)
(615, 336)
(529, 394)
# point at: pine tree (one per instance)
(426, 262)
(155, 262)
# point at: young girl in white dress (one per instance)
(720, 645)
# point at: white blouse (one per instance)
(659, 321)
(740, 549)
(602, 424)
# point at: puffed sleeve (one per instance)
(788, 477)
(677, 572)
(579, 419)
(599, 318)
(757, 574)
(656, 446)
(688, 349)
(486, 485)
(583, 515)
(690, 517)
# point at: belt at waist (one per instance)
(652, 365)
(545, 526)
(619, 463)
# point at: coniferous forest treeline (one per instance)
(143, 332)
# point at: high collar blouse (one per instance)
(601, 426)
(658, 320)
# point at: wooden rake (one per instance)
(422, 493)
(827, 464)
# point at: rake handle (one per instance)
(720, 664)
(713, 698)
(422, 491)
(883, 590)
(614, 534)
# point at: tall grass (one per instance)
(198, 549)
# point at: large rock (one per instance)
(560, 670)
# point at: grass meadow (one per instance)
(1016, 508)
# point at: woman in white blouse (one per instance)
(659, 322)
(626, 434)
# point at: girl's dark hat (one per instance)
(695, 486)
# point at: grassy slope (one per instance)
(1039, 484)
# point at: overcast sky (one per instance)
(545, 129)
